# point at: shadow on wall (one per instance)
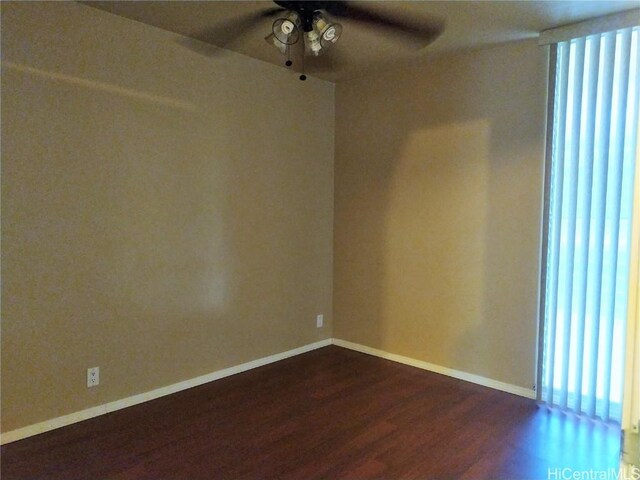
(437, 211)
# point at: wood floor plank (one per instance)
(330, 413)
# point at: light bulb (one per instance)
(312, 43)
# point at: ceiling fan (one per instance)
(310, 24)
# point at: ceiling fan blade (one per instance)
(226, 33)
(425, 30)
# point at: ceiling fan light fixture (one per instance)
(312, 43)
(287, 30)
(322, 35)
(329, 32)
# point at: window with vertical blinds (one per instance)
(590, 193)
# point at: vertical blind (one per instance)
(593, 149)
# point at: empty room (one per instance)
(320, 239)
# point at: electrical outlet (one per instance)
(93, 376)
(319, 321)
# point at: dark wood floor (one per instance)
(330, 413)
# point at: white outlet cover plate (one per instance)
(93, 376)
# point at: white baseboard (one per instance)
(75, 417)
(468, 377)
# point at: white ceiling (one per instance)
(362, 49)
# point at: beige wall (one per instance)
(164, 214)
(438, 193)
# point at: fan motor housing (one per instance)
(305, 9)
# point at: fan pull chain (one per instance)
(303, 77)
(288, 63)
